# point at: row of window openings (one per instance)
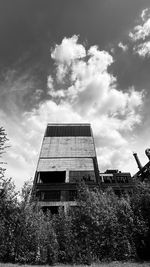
(57, 195)
(112, 179)
(60, 177)
(66, 195)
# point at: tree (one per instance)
(102, 225)
(3, 139)
(8, 207)
(9, 213)
(140, 203)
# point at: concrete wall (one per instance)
(67, 147)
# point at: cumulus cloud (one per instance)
(143, 49)
(91, 89)
(65, 54)
(68, 51)
(140, 35)
(82, 90)
(140, 32)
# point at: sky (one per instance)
(75, 61)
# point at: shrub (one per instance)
(101, 227)
(140, 203)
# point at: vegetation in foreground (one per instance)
(112, 264)
(101, 228)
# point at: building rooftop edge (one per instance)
(73, 124)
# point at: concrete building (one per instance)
(67, 156)
(121, 182)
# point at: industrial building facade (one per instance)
(67, 156)
(120, 182)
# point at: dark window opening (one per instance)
(68, 130)
(72, 195)
(76, 176)
(53, 209)
(117, 193)
(52, 196)
(107, 179)
(121, 192)
(52, 177)
(114, 179)
(122, 179)
(38, 195)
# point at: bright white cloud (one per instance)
(143, 49)
(140, 35)
(140, 32)
(92, 90)
(68, 51)
(88, 94)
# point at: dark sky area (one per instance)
(29, 28)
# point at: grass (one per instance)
(112, 264)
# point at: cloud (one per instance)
(91, 89)
(65, 54)
(83, 91)
(144, 14)
(140, 35)
(143, 50)
(68, 51)
(18, 92)
(123, 46)
(140, 32)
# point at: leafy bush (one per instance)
(140, 204)
(101, 227)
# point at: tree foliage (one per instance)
(9, 213)
(100, 227)
(3, 139)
